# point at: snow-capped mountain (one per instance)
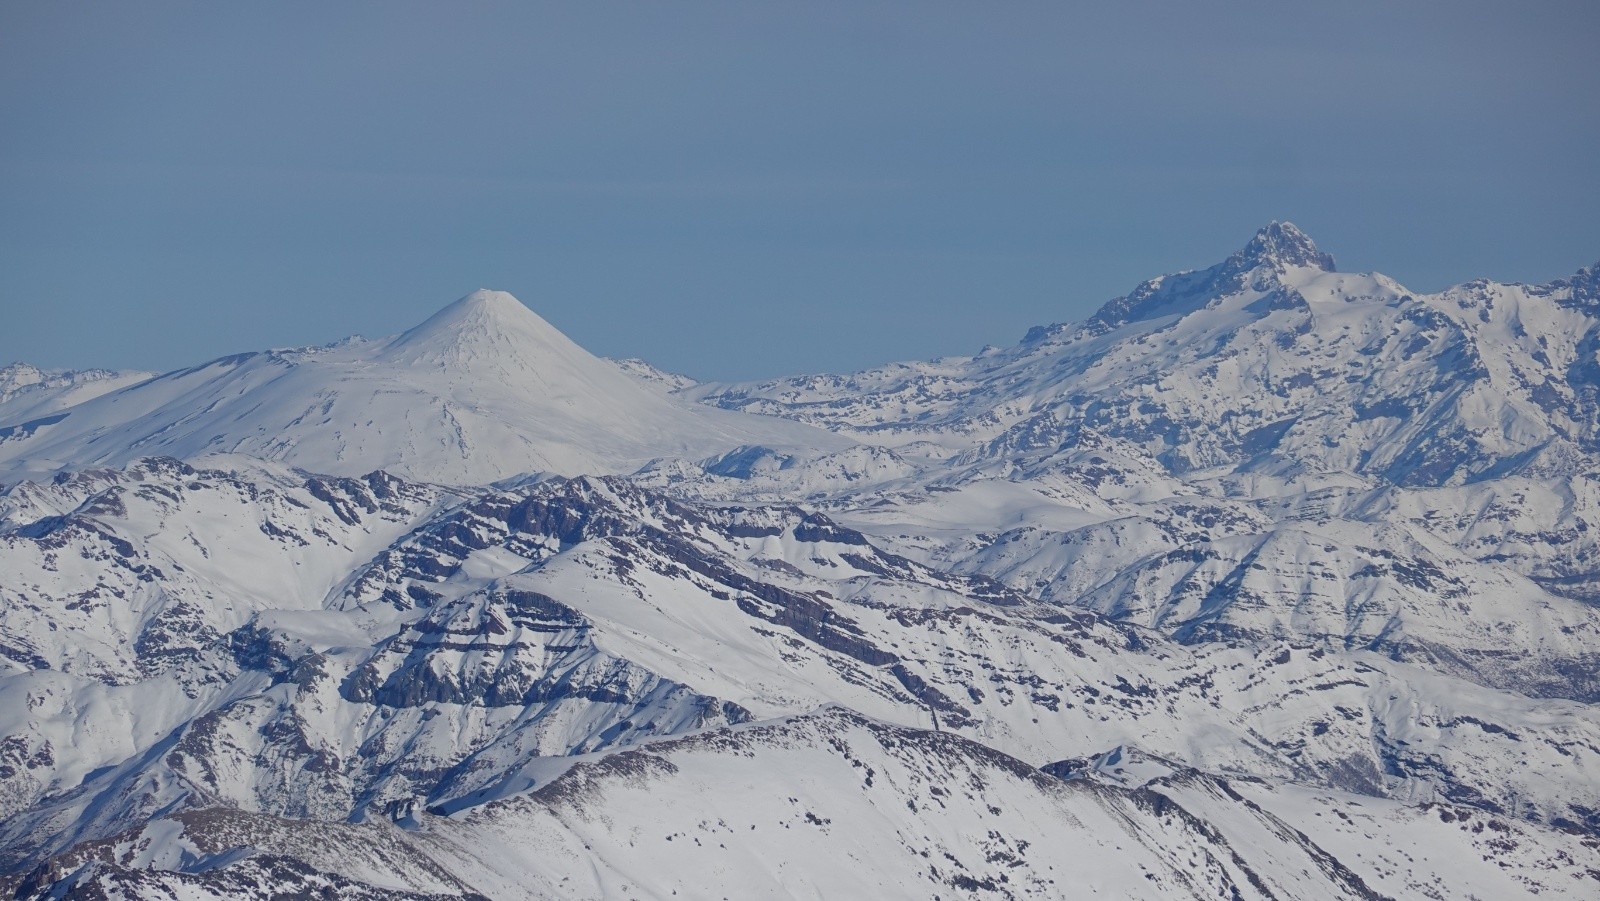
(483, 390)
(1266, 448)
(1266, 581)
(1269, 362)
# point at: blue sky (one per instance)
(751, 189)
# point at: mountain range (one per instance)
(1264, 581)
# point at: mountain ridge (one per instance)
(1185, 326)
(1266, 580)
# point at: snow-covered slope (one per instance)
(483, 390)
(470, 641)
(28, 393)
(1266, 581)
(834, 804)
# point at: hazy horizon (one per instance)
(740, 192)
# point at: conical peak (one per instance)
(483, 307)
(488, 299)
(479, 322)
(1282, 244)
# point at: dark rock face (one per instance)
(513, 629)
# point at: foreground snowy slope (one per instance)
(834, 804)
(483, 390)
(1266, 581)
(478, 638)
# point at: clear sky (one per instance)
(754, 189)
